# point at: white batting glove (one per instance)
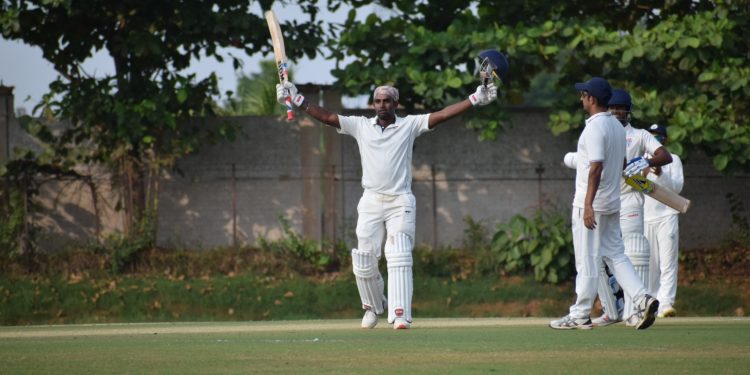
(484, 95)
(635, 166)
(288, 90)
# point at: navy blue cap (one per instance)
(658, 129)
(597, 87)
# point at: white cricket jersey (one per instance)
(386, 153)
(602, 140)
(671, 178)
(638, 143)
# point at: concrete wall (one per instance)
(235, 193)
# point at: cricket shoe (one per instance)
(632, 320)
(668, 312)
(569, 322)
(604, 321)
(370, 320)
(646, 313)
(401, 323)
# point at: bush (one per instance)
(543, 243)
(320, 257)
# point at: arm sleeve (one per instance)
(570, 160)
(673, 177)
(421, 124)
(595, 144)
(348, 125)
(650, 143)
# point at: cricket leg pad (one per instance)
(400, 281)
(638, 251)
(369, 281)
(606, 294)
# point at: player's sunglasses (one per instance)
(659, 137)
(584, 94)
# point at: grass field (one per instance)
(450, 345)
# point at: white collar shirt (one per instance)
(602, 140)
(386, 153)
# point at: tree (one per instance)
(256, 93)
(146, 115)
(685, 62)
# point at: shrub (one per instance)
(543, 243)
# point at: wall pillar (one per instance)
(6, 116)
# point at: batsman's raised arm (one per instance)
(319, 113)
(483, 96)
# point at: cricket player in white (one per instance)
(639, 142)
(662, 231)
(387, 209)
(596, 211)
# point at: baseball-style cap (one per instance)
(597, 87)
(658, 129)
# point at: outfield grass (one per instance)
(516, 345)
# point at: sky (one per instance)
(23, 67)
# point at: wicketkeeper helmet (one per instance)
(494, 60)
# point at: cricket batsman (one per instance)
(387, 209)
(599, 162)
(638, 142)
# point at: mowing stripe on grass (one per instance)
(41, 331)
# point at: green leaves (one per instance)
(542, 243)
(685, 66)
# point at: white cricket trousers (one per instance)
(663, 236)
(393, 218)
(593, 245)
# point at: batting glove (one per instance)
(484, 95)
(635, 166)
(290, 90)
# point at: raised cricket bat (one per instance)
(658, 192)
(280, 54)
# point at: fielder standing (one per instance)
(387, 209)
(662, 230)
(596, 212)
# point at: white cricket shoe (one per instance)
(646, 312)
(632, 320)
(370, 320)
(569, 322)
(604, 321)
(667, 313)
(401, 323)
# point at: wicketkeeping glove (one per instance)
(635, 166)
(484, 95)
(288, 89)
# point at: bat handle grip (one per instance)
(289, 109)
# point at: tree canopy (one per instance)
(145, 115)
(684, 62)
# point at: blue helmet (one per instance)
(620, 97)
(495, 60)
